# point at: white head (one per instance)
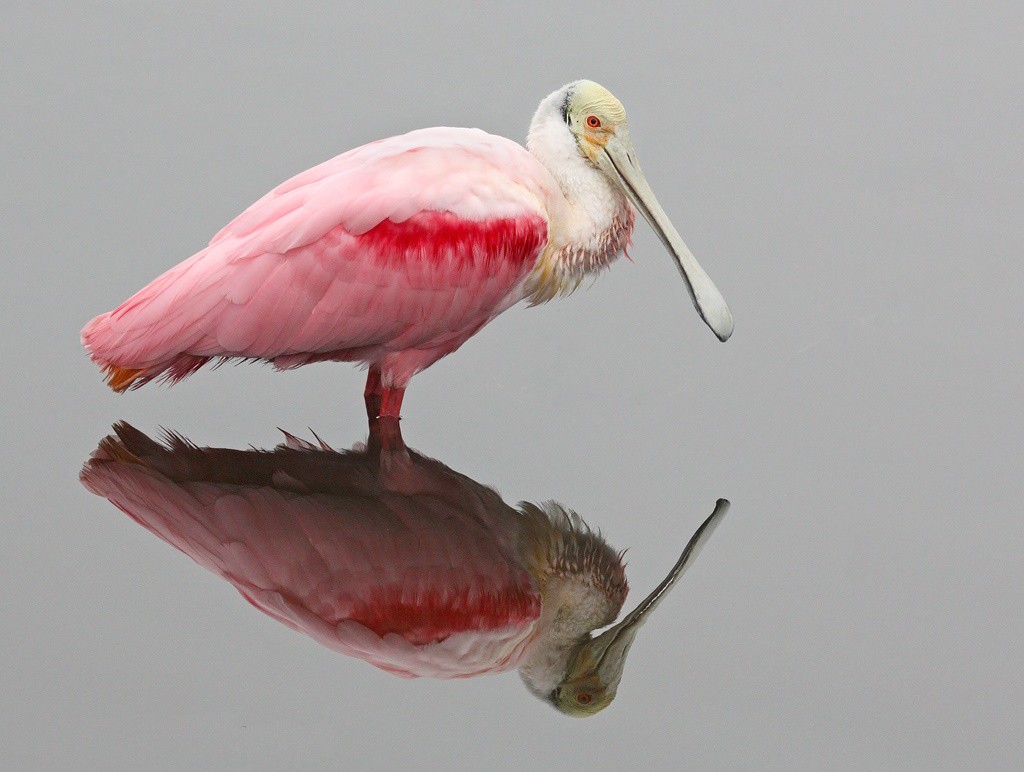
(592, 666)
(584, 122)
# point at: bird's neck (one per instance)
(571, 608)
(583, 586)
(592, 225)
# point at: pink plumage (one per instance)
(407, 565)
(383, 554)
(392, 254)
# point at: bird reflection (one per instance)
(386, 555)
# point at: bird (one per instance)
(386, 555)
(394, 254)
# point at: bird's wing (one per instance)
(472, 174)
(408, 583)
(398, 243)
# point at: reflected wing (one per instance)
(410, 584)
(410, 241)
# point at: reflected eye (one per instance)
(583, 698)
(593, 122)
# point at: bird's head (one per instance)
(585, 119)
(595, 668)
(595, 119)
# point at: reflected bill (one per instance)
(386, 555)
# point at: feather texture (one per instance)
(392, 254)
(416, 569)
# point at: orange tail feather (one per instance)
(121, 379)
(114, 450)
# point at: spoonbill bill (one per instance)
(383, 554)
(395, 253)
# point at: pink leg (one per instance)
(391, 403)
(383, 406)
(373, 393)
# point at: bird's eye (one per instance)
(593, 121)
(583, 698)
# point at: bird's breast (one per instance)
(572, 255)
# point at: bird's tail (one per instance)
(97, 338)
(129, 446)
(150, 334)
(118, 378)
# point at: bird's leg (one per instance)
(381, 401)
(373, 392)
(391, 403)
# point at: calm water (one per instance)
(851, 180)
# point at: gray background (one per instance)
(849, 174)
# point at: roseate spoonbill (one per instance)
(396, 253)
(391, 557)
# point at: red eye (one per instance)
(593, 122)
(583, 698)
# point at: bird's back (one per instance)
(405, 245)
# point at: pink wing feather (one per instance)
(419, 576)
(395, 252)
